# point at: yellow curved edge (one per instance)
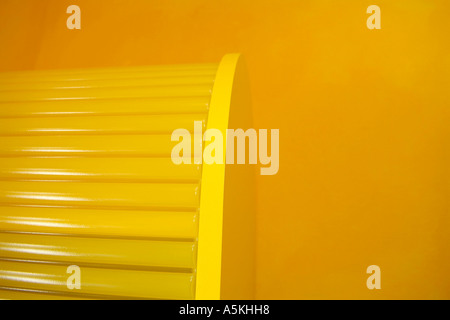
(209, 255)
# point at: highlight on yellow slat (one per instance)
(111, 125)
(104, 223)
(87, 180)
(157, 145)
(27, 294)
(99, 195)
(104, 107)
(108, 83)
(124, 253)
(97, 169)
(102, 281)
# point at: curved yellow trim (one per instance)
(209, 257)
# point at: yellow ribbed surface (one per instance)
(86, 179)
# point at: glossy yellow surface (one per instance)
(21, 294)
(99, 281)
(95, 145)
(104, 93)
(100, 195)
(86, 179)
(145, 124)
(100, 222)
(210, 281)
(104, 107)
(18, 84)
(97, 251)
(227, 226)
(95, 169)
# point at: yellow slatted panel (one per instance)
(86, 179)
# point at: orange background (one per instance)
(363, 118)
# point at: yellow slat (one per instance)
(73, 78)
(109, 83)
(96, 251)
(115, 282)
(98, 169)
(157, 145)
(105, 93)
(21, 294)
(118, 195)
(138, 106)
(146, 124)
(100, 223)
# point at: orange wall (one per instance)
(363, 118)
